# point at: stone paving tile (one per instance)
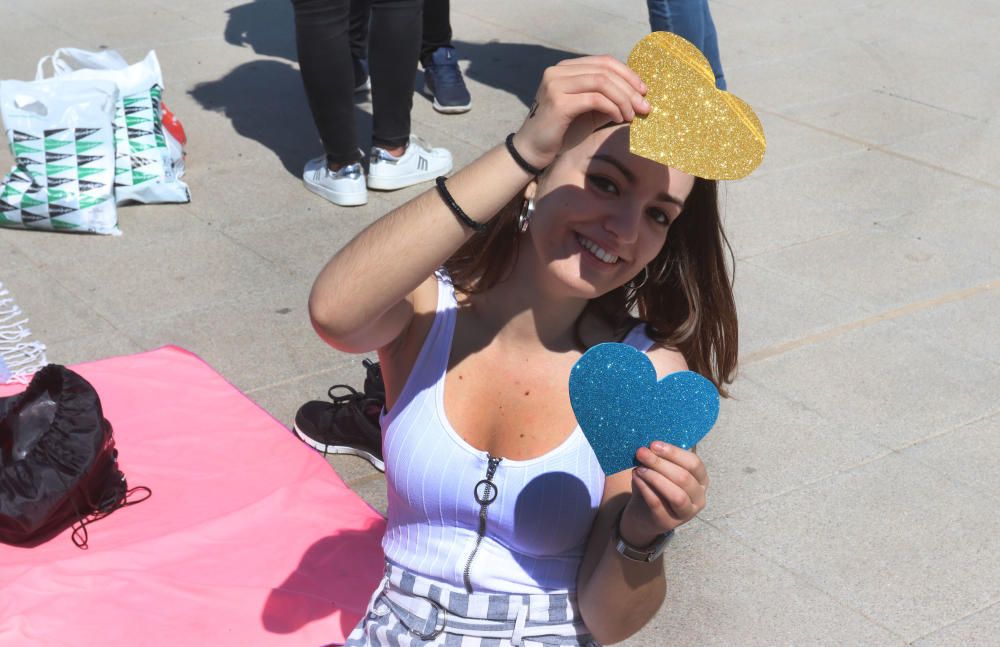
(912, 43)
(884, 384)
(233, 207)
(33, 291)
(162, 279)
(257, 341)
(876, 117)
(769, 605)
(108, 23)
(91, 347)
(277, 122)
(209, 58)
(908, 270)
(831, 196)
(873, 183)
(325, 228)
(747, 36)
(841, 69)
(747, 452)
(561, 24)
(964, 226)
(775, 309)
(967, 90)
(760, 217)
(791, 143)
(31, 38)
(949, 324)
(966, 455)
(14, 260)
(909, 549)
(970, 149)
(977, 630)
(266, 22)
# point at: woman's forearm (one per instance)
(618, 596)
(358, 289)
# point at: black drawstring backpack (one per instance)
(58, 462)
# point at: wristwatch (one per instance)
(645, 554)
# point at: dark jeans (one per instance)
(437, 27)
(322, 34)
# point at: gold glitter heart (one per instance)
(693, 126)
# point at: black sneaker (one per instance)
(349, 424)
(444, 81)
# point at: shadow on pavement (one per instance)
(265, 99)
(266, 103)
(514, 67)
(267, 26)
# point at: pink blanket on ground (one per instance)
(248, 539)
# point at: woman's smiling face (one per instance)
(602, 213)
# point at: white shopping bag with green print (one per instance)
(63, 142)
(148, 168)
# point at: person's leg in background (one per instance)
(361, 12)
(442, 77)
(691, 20)
(711, 48)
(398, 158)
(659, 15)
(321, 36)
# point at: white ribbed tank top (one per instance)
(535, 529)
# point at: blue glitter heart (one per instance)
(620, 406)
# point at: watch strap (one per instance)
(635, 553)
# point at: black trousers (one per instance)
(437, 27)
(322, 35)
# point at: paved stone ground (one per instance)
(856, 495)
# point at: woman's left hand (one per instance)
(667, 490)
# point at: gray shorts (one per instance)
(408, 609)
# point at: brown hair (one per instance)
(686, 302)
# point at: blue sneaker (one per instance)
(444, 82)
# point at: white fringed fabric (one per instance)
(20, 357)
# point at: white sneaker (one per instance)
(419, 163)
(345, 187)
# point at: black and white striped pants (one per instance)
(409, 610)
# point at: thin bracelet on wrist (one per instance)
(455, 209)
(523, 163)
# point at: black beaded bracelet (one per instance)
(455, 209)
(523, 163)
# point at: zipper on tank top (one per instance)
(486, 493)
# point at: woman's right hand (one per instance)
(575, 97)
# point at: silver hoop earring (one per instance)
(524, 218)
(645, 278)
